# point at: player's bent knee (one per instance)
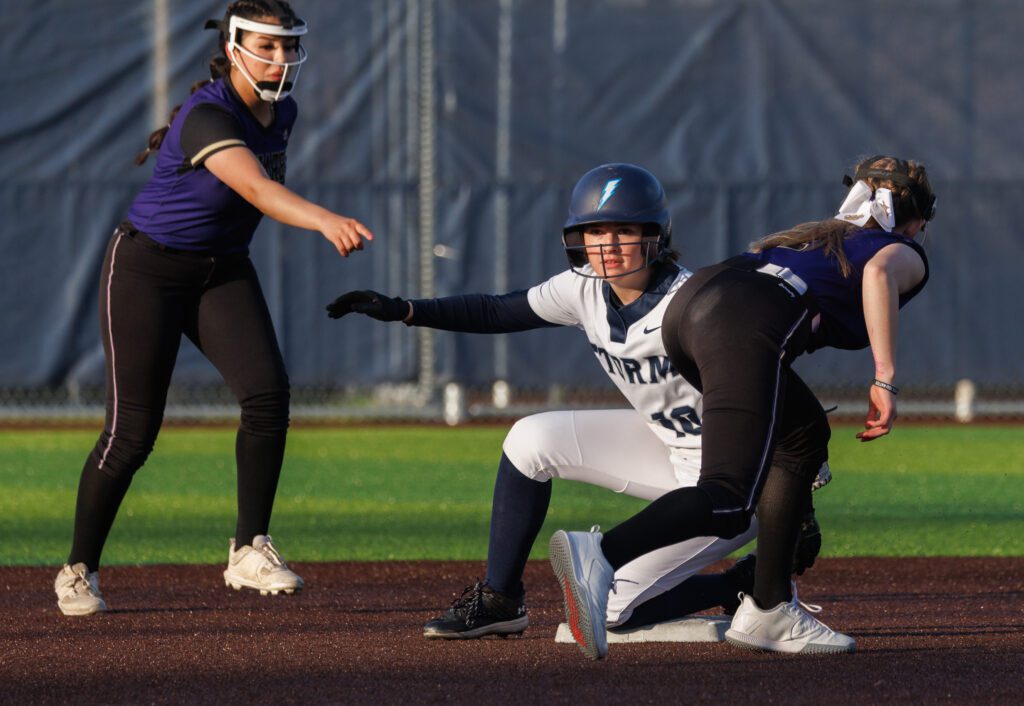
(731, 524)
(266, 413)
(807, 466)
(805, 448)
(121, 458)
(528, 442)
(819, 433)
(729, 515)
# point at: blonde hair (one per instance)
(911, 195)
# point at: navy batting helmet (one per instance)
(617, 193)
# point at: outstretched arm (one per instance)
(239, 169)
(893, 270)
(470, 313)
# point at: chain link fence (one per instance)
(455, 404)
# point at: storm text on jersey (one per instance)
(659, 367)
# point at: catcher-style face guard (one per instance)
(653, 247)
(270, 91)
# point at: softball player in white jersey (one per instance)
(642, 452)
(623, 275)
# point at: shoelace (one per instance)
(809, 607)
(613, 587)
(616, 582)
(805, 621)
(470, 602)
(270, 551)
(81, 583)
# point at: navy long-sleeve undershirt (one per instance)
(478, 313)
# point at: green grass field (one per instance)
(384, 493)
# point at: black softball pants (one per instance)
(149, 297)
(732, 333)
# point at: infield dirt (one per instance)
(927, 630)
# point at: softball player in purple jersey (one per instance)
(623, 275)
(179, 265)
(733, 331)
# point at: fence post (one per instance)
(965, 396)
(427, 193)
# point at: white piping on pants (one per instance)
(113, 360)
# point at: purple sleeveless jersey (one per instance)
(183, 205)
(839, 298)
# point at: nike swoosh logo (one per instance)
(651, 330)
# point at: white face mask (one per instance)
(270, 91)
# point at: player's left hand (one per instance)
(346, 234)
(808, 544)
(881, 414)
(370, 303)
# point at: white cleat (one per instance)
(585, 577)
(787, 627)
(78, 591)
(260, 567)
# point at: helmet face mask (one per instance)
(622, 194)
(651, 243)
(270, 91)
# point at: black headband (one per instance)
(900, 175)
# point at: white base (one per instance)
(701, 628)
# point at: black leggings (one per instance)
(149, 297)
(732, 334)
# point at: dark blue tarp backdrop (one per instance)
(749, 111)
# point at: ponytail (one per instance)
(828, 234)
(912, 197)
(220, 67)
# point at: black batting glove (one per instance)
(808, 544)
(373, 304)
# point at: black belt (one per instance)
(127, 229)
(789, 279)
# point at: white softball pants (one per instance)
(615, 449)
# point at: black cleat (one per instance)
(479, 611)
(741, 575)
